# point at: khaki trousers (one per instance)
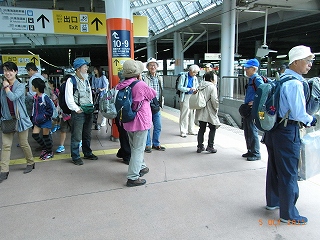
(7, 139)
(186, 120)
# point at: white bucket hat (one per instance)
(299, 52)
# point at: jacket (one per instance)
(17, 96)
(182, 85)
(209, 113)
(42, 111)
(141, 93)
(147, 79)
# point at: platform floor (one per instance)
(187, 195)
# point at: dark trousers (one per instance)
(283, 145)
(125, 151)
(251, 136)
(202, 130)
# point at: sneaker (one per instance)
(137, 182)
(91, 157)
(200, 149)
(55, 128)
(248, 154)
(143, 171)
(97, 127)
(160, 148)
(60, 149)
(148, 149)
(183, 135)
(211, 149)
(80, 144)
(77, 161)
(272, 208)
(43, 152)
(298, 221)
(47, 155)
(253, 158)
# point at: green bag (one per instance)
(87, 108)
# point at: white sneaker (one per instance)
(104, 122)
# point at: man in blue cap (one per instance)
(81, 105)
(250, 130)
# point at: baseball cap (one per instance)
(252, 63)
(209, 65)
(132, 68)
(152, 60)
(78, 62)
(299, 52)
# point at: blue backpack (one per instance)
(123, 104)
(265, 109)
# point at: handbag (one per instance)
(245, 110)
(154, 105)
(197, 100)
(9, 126)
(87, 108)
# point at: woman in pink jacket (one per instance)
(138, 128)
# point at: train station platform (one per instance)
(187, 196)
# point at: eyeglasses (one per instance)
(308, 61)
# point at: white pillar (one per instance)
(178, 54)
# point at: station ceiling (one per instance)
(289, 23)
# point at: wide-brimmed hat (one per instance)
(299, 52)
(132, 68)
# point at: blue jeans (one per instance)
(80, 130)
(156, 120)
(137, 140)
(251, 136)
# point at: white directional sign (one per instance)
(26, 20)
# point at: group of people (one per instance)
(283, 143)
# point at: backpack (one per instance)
(62, 100)
(123, 104)
(265, 109)
(177, 83)
(313, 98)
(107, 105)
(54, 109)
(265, 80)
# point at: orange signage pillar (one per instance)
(119, 40)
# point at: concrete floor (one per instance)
(187, 195)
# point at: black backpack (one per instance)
(62, 100)
(177, 82)
(123, 103)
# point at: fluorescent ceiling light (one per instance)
(281, 56)
(210, 23)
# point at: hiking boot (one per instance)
(143, 171)
(148, 149)
(248, 154)
(91, 157)
(160, 148)
(77, 161)
(60, 149)
(200, 149)
(137, 182)
(211, 149)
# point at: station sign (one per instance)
(27, 20)
(21, 61)
(212, 56)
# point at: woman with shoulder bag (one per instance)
(209, 114)
(14, 113)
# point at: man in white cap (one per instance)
(283, 143)
(154, 80)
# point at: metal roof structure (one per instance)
(290, 22)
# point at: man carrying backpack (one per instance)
(283, 143)
(154, 80)
(250, 130)
(137, 129)
(81, 106)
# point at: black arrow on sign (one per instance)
(34, 60)
(96, 21)
(116, 61)
(43, 17)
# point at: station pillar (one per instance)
(120, 42)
